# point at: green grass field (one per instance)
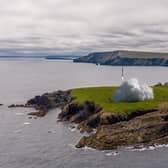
(103, 95)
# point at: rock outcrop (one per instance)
(42, 104)
(148, 129)
(80, 113)
(89, 115)
(19, 105)
(143, 127)
(49, 101)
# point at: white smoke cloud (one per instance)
(133, 91)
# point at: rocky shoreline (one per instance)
(47, 101)
(143, 127)
(148, 127)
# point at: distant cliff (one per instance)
(126, 58)
(61, 57)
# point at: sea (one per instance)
(27, 142)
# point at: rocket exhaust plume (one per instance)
(122, 74)
(133, 91)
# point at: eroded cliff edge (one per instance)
(146, 127)
(142, 127)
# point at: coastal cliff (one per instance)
(147, 129)
(126, 58)
(115, 124)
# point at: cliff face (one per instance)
(145, 130)
(126, 58)
(138, 128)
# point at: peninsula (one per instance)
(126, 58)
(115, 123)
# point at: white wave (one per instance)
(88, 148)
(145, 148)
(18, 131)
(162, 146)
(72, 129)
(19, 114)
(26, 123)
(115, 153)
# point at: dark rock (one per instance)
(11, 106)
(20, 105)
(78, 112)
(93, 121)
(49, 101)
(40, 101)
(40, 113)
(147, 129)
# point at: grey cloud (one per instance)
(78, 27)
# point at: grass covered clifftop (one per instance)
(116, 124)
(103, 97)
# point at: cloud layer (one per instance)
(43, 27)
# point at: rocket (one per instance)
(122, 74)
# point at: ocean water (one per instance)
(46, 143)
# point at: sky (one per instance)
(66, 27)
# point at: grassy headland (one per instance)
(116, 124)
(103, 97)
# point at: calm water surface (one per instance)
(45, 143)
